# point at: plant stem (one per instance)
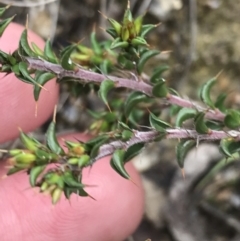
(86, 76)
(150, 136)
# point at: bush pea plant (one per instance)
(133, 103)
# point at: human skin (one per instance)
(27, 214)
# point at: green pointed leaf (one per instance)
(105, 87)
(200, 124)
(205, 93)
(133, 99)
(125, 63)
(158, 124)
(174, 109)
(182, 150)
(117, 163)
(232, 119)
(133, 151)
(49, 53)
(95, 149)
(23, 68)
(41, 79)
(23, 45)
(2, 10)
(144, 58)
(183, 115)
(96, 140)
(147, 28)
(224, 146)
(160, 89)
(37, 50)
(95, 45)
(52, 141)
(124, 126)
(14, 170)
(4, 23)
(157, 73)
(34, 174)
(71, 181)
(220, 102)
(112, 32)
(66, 61)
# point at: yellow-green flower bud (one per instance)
(56, 195)
(44, 186)
(83, 160)
(138, 23)
(15, 152)
(125, 33)
(28, 142)
(25, 158)
(73, 161)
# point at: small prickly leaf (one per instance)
(95, 45)
(13, 170)
(41, 79)
(220, 102)
(205, 93)
(4, 23)
(117, 163)
(126, 135)
(49, 53)
(123, 45)
(232, 119)
(183, 115)
(34, 174)
(158, 124)
(157, 73)
(138, 41)
(182, 149)
(160, 89)
(144, 58)
(133, 99)
(52, 141)
(105, 87)
(37, 50)
(66, 61)
(70, 180)
(147, 28)
(116, 26)
(2, 10)
(112, 32)
(133, 151)
(224, 146)
(200, 125)
(25, 46)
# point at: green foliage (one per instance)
(128, 120)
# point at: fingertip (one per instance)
(17, 105)
(112, 216)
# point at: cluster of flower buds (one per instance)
(131, 32)
(99, 54)
(35, 159)
(55, 182)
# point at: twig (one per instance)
(150, 136)
(87, 76)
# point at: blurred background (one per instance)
(198, 39)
